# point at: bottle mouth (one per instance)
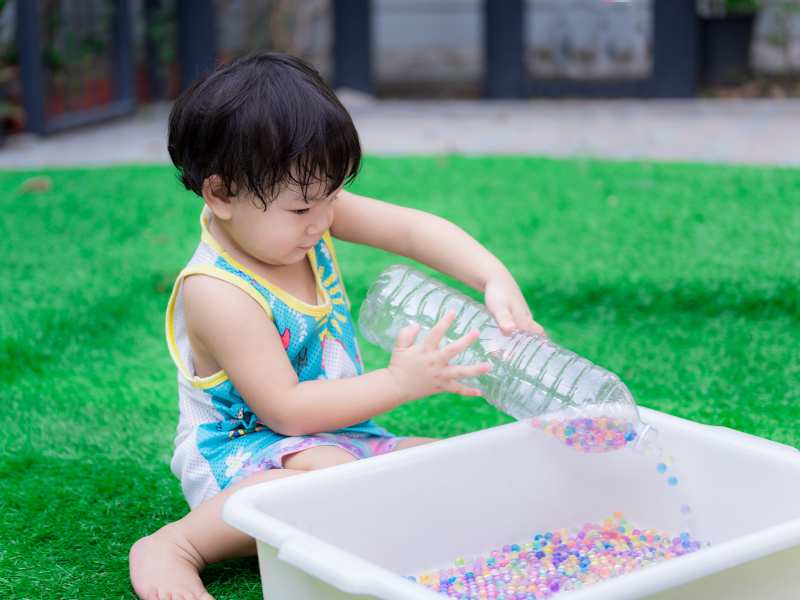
(646, 437)
(619, 394)
(621, 403)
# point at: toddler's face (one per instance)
(287, 230)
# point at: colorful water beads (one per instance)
(604, 434)
(587, 434)
(557, 561)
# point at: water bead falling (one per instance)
(599, 434)
(558, 561)
(606, 434)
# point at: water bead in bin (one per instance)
(575, 559)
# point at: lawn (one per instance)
(683, 279)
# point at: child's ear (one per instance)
(216, 197)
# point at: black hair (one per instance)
(262, 122)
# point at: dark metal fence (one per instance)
(193, 35)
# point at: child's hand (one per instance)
(505, 302)
(423, 369)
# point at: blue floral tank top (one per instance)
(216, 424)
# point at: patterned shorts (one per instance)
(359, 446)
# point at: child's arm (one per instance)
(438, 243)
(233, 329)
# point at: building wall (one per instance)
(577, 39)
(439, 40)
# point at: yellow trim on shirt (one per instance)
(220, 376)
(329, 241)
(315, 310)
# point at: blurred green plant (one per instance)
(742, 6)
(722, 8)
(161, 32)
(781, 29)
(64, 47)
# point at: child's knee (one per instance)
(261, 477)
(318, 457)
(414, 441)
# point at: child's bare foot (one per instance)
(165, 566)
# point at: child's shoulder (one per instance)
(207, 298)
(222, 320)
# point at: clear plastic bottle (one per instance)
(530, 376)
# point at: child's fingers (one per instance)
(406, 336)
(436, 333)
(461, 344)
(464, 371)
(505, 319)
(463, 390)
(537, 328)
(524, 320)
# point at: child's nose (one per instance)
(315, 229)
(320, 225)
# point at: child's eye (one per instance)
(301, 211)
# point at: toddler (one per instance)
(270, 378)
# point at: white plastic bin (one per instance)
(355, 531)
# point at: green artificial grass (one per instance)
(683, 279)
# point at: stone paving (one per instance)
(727, 131)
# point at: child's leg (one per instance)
(414, 441)
(328, 455)
(315, 458)
(167, 564)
